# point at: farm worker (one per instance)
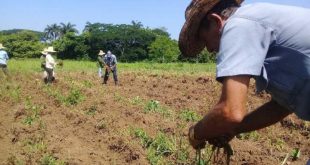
(110, 66)
(100, 62)
(3, 59)
(49, 64)
(268, 42)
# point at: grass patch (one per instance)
(154, 106)
(189, 116)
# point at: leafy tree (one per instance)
(72, 46)
(204, 57)
(24, 44)
(52, 32)
(164, 49)
(67, 28)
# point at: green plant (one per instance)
(163, 145)
(50, 160)
(32, 112)
(189, 116)
(153, 106)
(249, 136)
(101, 125)
(75, 96)
(296, 154)
(142, 135)
(136, 100)
(91, 111)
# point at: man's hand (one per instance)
(196, 144)
(227, 115)
(221, 142)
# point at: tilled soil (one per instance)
(96, 130)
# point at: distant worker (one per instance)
(110, 66)
(100, 63)
(49, 65)
(3, 60)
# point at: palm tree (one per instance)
(52, 32)
(66, 28)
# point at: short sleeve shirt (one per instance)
(110, 60)
(3, 57)
(272, 44)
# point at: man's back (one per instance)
(290, 25)
(3, 57)
(272, 43)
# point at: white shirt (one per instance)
(50, 62)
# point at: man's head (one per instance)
(204, 22)
(109, 52)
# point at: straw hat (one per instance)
(101, 53)
(44, 52)
(50, 50)
(1, 46)
(189, 42)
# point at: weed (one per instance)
(87, 84)
(146, 141)
(249, 136)
(153, 106)
(91, 111)
(136, 101)
(101, 125)
(32, 112)
(189, 116)
(50, 160)
(118, 97)
(75, 96)
(278, 143)
(13, 160)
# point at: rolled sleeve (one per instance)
(243, 48)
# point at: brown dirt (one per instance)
(76, 136)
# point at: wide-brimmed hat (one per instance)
(101, 53)
(50, 50)
(44, 52)
(189, 42)
(1, 46)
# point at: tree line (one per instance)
(130, 42)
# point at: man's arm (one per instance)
(265, 116)
(229, 115)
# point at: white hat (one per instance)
(101, 53)
(44, 52)
(109, 52)
(50, 50)
(1, 46)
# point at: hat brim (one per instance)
(2, 47)
(190, 43)
(101, 54)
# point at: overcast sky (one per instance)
(36, 14)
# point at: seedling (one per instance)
(189, 116)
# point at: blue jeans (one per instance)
(107, 74)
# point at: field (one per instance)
(145, 120)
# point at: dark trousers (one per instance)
(4, 69)
(50, 76)
(107, 74)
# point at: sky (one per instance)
(37, 14)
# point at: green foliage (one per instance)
(249, 136)
(50, 160)
(32, 112)
(296, 154)
(164, 49)
(157, 148)
(204, 57)
(189, 116)
(72, 46)
(154, 106)
(74, 97)
(24, 44)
